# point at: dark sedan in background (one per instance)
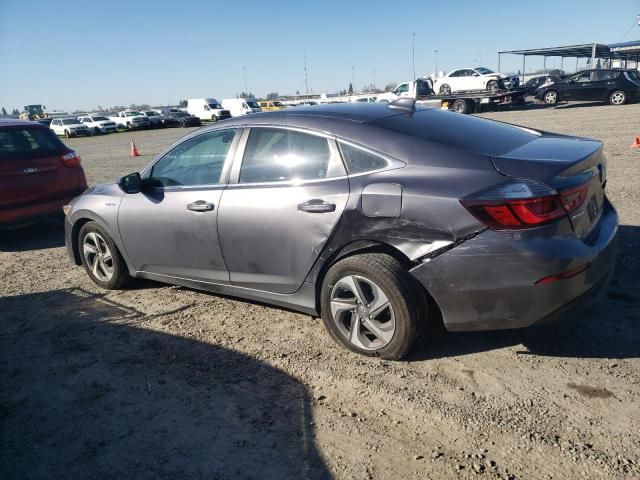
(178, 118)
(536, 82)
(38, 173)
(614, 86)
(377, 217)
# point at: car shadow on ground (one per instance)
(34, 236)
(89, 392)
(608, 329)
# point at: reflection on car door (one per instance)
(170, 228)
(280, 207)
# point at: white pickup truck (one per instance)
(130, 119)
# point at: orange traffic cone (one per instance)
(636, 143)
(134, 150)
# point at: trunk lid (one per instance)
(562, 163)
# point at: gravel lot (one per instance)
(166, 382)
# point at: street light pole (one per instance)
(413, 54)
(436, 52)
(353, 78)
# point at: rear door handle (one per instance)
(317, 206)
(200, 206)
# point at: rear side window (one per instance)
(276, 155)
(359, 161)
(20, 143)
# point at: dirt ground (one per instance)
(166, 382)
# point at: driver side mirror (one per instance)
(206, 108)
(131, 183)
(476, 74)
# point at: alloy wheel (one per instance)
(362, 312)
(98, 256)
(551, 97)
(618, 98)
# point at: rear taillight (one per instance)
(523, 204)
(71, 159)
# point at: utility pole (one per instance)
(353, 78)
(374, 79)
(306, 80)
(413, 55)
(436, 52)
(244, 74)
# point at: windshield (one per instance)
(214, 105)
(253, 104)
(277, 104)
(484, 71)
(180, 114)
(132, 114)
(69, 121)
(151, 114)
(100, 119)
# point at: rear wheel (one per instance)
(445, 89)
(460, 106)
(551, 97)
(619, 97)
(101, 259)
(371, 305)
(183, 124)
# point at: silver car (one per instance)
(378, 218)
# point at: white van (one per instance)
(241, 106)
(207, 109)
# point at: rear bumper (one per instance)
(489, 281)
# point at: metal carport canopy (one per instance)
(586, 50)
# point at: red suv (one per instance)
(38, 173)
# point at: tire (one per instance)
(128, 126)
(392, 331)
(445, 89)
(551, 97)
(183, 124)
(96, 131)
(100, 257)
(492, 86)
(214, 118)
(67, 134)
(460, 106)
(618, 97)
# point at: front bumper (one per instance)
(489, 281)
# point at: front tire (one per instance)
(492, 86)
(445, 89)
(551, 97)
(371, 305)
(100, 257)
(67, 134)
(214, 119)
(619, 97)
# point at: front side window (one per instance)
(359, 161)
(197, 161)
(276, 155)
(583, 77)
(69, 121)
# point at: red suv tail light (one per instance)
(523, 204)
(71, 159)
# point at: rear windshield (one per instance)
(18, 143)
(100, 119)
(456, 130)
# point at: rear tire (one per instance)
(551, 97)
(445, 89)
(619, 97)
(371, 305)
(460, 106)
(100, 257)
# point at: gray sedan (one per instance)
(378, 218)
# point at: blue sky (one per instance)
(80, 54)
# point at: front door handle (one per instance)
(200, 206)
(317, 206)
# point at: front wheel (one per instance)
(551, 97)
(67, 134)
(214, 118)
(492, 86)
(371, 305)
(101, 259)
(619, 97)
